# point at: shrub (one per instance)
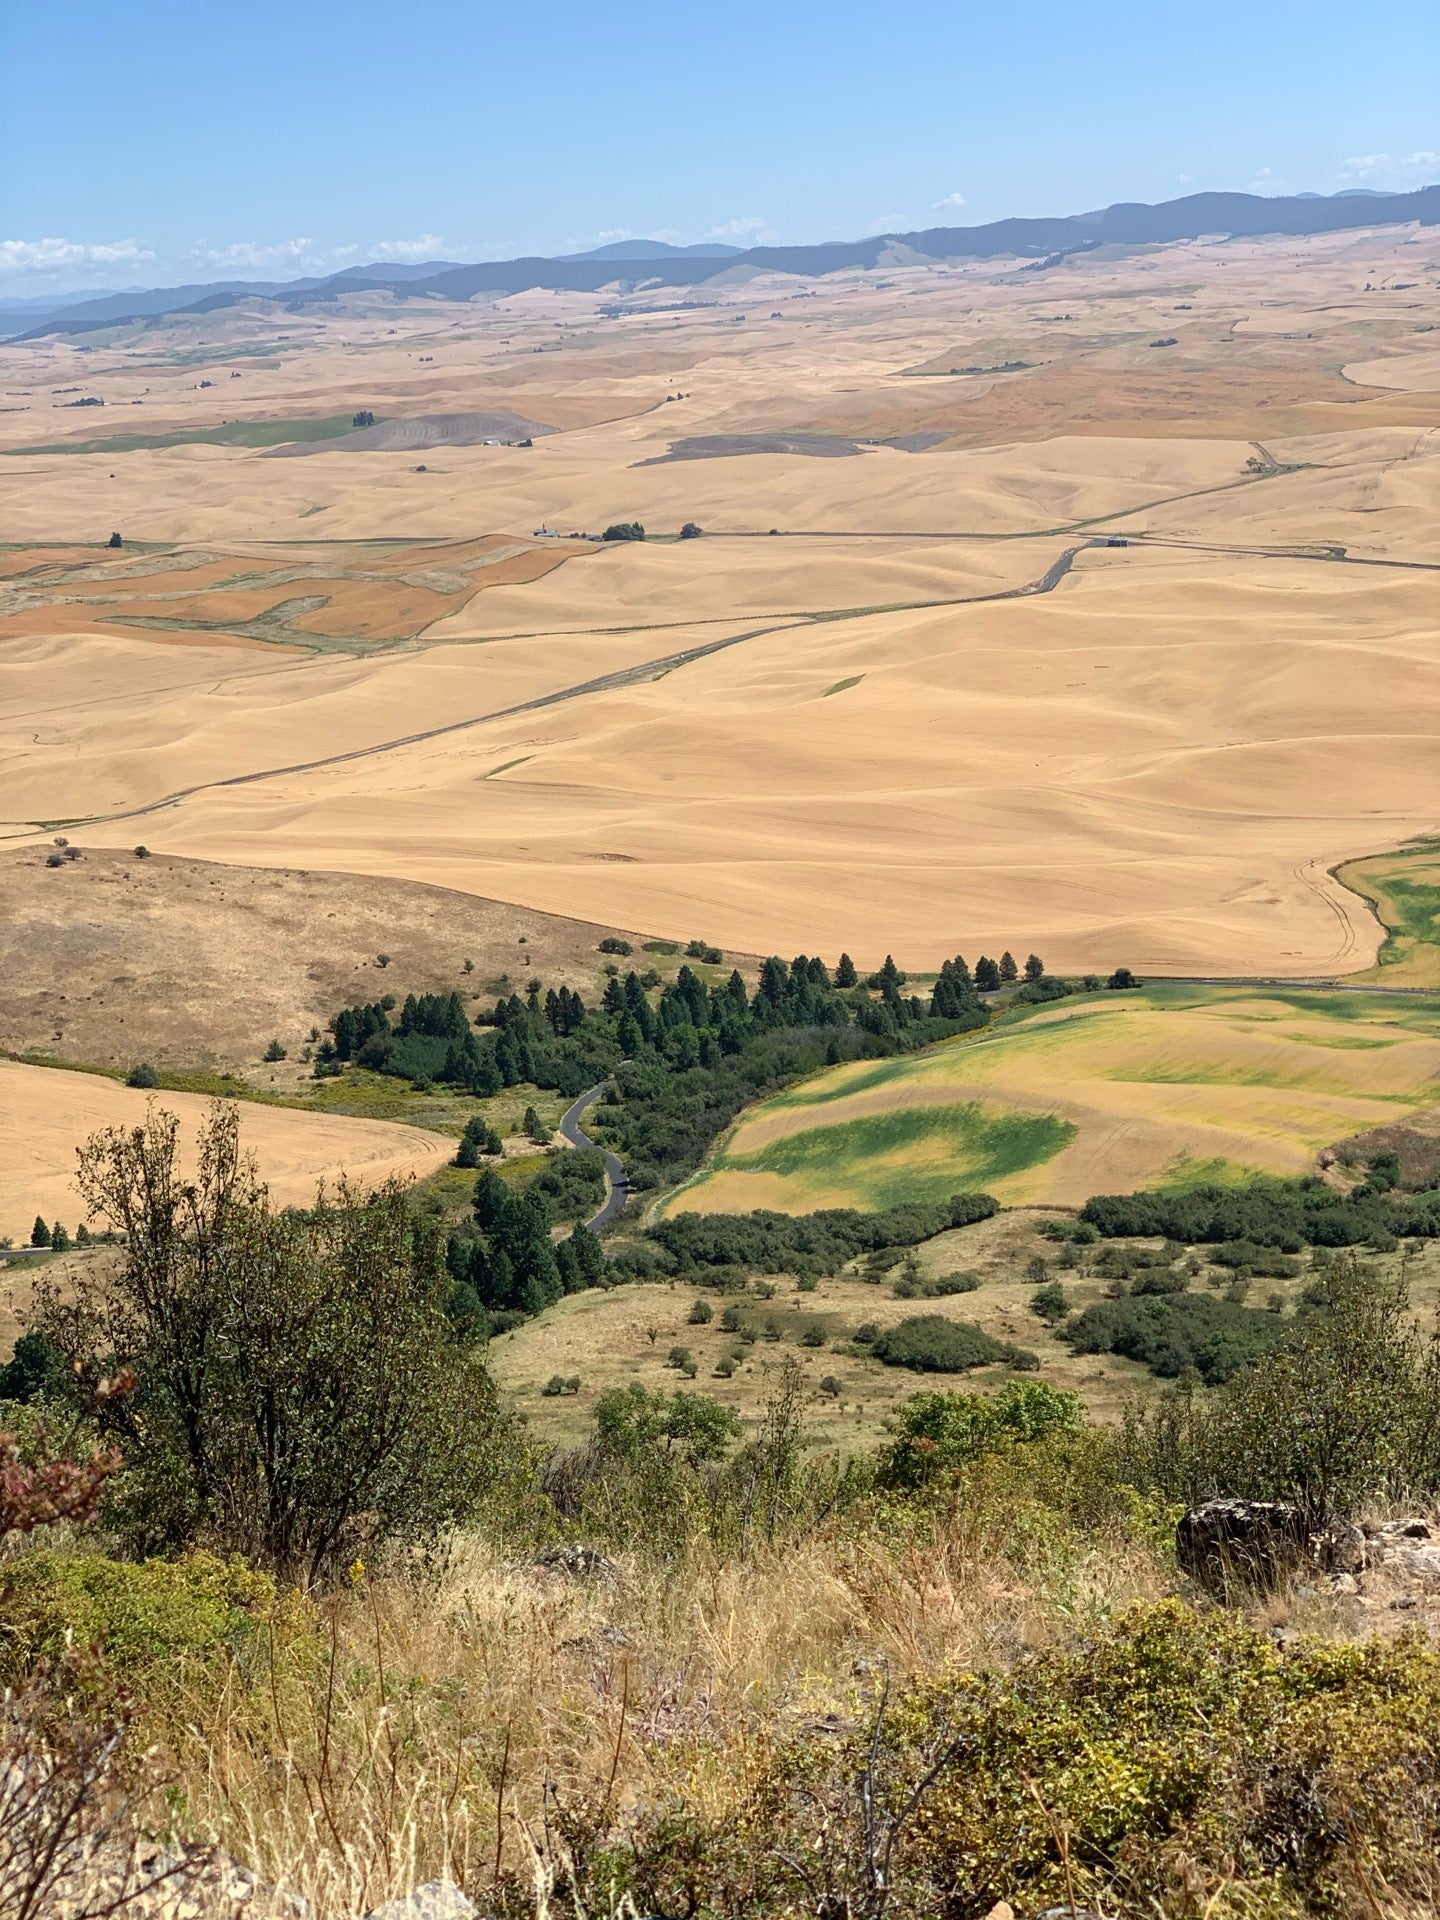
(612, 943)
(164, 1628)
(701, 1314)
(143, 1075)
(678, 1357)
(1122, 980)
(724, 1367)
(554, 1386)
(1050, 1303)
(272, 1415)
(935, 1433)
(813, 1337)
(690, 531)
(142, 853)
(831, 1386)
(275, 1051)
(929, 1343)
(1174, 1763)
(1345, 1409)
(34, 1369)
(1174, 1333)
(624, 530)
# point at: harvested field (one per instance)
(49, 1112)
(1172, 1086)
(1155, 757)
(310, 595)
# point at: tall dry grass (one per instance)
(449, 1725)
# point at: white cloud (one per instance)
(1384, 169)
(1185, 179)
(256, 254)
(952, 203)
(749, 230)
(71, 258)
(1262, 183)
(425, 246)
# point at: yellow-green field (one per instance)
(1100, 1093)
(1404, 890)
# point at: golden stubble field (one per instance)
(49, 1112)
(908, 697)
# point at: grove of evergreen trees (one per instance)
(683, 1062)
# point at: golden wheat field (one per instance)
(1104, 1092)
(1114, 654)
(48, 1112)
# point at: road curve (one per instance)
(615, 1180)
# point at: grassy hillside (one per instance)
(1404, 890)
(1173, 1085)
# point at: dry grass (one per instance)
(192, 965)
(444, 1716)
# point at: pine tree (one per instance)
(1008, 969)
(987, 974)
(1034, 967)
(845, 974)
(59, 1238)
(39, 1233)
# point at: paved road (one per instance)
(614, 1167)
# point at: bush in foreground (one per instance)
(300, 1390)
(1177, 1764)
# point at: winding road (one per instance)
(615, 1179)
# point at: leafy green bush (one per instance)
(1174, 1763)
(770, 1242)
(1287, 1214)
(301, 1390)
(937, 1432)
(1175, 1332)
(1345, 1409)
(929, 1343)
(1050, 1302)
(161, 1628)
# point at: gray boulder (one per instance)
(1257, 1544)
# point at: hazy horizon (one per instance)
(273, 144)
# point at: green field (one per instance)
(916, 1153)
(234, 433)
(1176, 1086)
(1404, 890)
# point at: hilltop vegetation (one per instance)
(596, 1688)
(684, 1063)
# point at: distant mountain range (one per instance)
(656, 250)
(655, 263)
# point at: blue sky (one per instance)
(149, 141)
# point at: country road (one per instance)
(602, 683)
(619, 1186)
